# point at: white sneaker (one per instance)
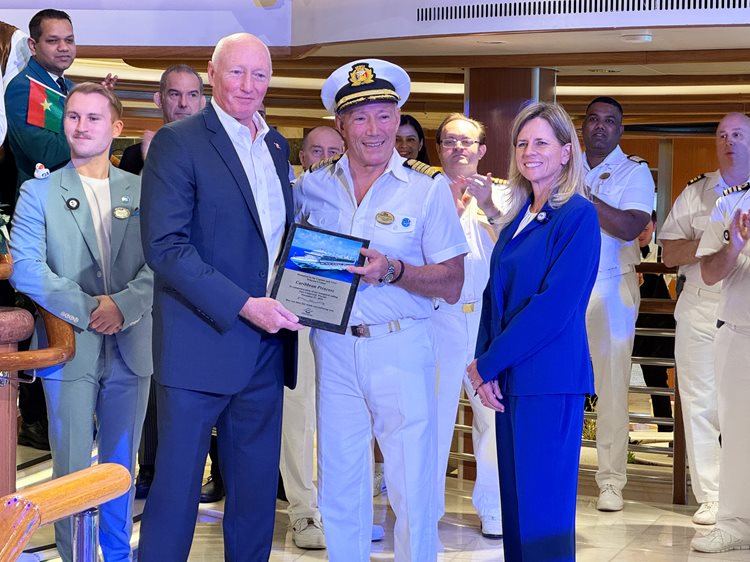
(378, 532)
(610, 499)
(706, 514)
(307, 533)
(719, 540)
(491, 525)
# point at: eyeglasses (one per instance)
(462, 143)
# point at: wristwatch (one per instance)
(389, 273)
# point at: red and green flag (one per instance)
(45, 107)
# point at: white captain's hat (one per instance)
(363, 81)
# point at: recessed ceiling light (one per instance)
(637, 38)
(491, 42)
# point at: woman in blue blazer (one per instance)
(532, 359)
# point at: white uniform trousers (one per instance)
(610, 323)
(383, 385)
(456, 338)
(733, 378)
(297, 437)
(695, 314)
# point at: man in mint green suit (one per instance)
(77, 250)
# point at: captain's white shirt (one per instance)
(688, 218)
(734, 304)
(425, 228)
(626, 185)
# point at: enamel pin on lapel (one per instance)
(125, 199)
(40, 171)
(121, 212)
(72, 203)
(541, 216)
(277, 146)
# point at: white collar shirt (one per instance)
(264, 181)
(422, 227)
(734, 304)
(626, 185)
(689, 217)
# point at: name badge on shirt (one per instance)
(395, 223)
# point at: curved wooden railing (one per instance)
(23, 512)
(61, 342)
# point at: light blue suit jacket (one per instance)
(57, 264)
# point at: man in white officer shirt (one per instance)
(622, 190)
(725, 257)
(697, 308)
(298, 418)
(379, 377)
(479, 200)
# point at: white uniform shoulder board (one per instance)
(499, 181)
(736, 188)
(421, 167)
(696, 179)
(326, 162)
(638, 159)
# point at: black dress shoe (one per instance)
(213, 490)
(34, 435)
(143, 482)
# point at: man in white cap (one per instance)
(379, 377)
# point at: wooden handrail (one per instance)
(61, 342)
(26, 510)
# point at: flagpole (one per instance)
(45, 86)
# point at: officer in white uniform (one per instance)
(725, 255)
(480, 200)
(298, 421)
(696, 314)
(379, 377)
(623, 193)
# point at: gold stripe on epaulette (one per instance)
(499, 181)
(637, 159)
(421, 167)
(736, 188)
(326, 162)
(696, 178)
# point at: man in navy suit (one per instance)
(217, 204)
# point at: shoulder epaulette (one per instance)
(736, 188)
(696, 179)
(638, 159)
(499, 181)
(325, 162)
(421, 167)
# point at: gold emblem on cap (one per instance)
(361, 74)
(121, 212)
(384, 217)
(604, 176)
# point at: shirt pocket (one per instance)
(324, 219)
(394, 233)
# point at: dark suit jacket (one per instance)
(30, 144)
(132, 159)
(202, 237)
(532, 336)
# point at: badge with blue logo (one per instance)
(405, 222)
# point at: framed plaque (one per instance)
(312, 280)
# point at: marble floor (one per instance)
(643, 531)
